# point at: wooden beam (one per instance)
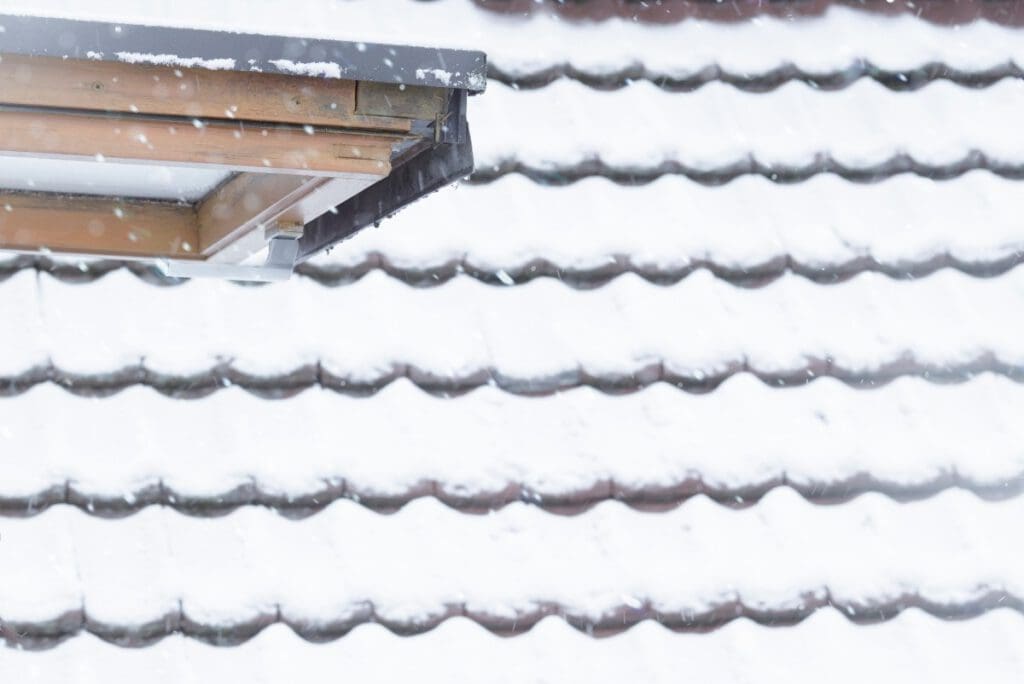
(392, 99)
(179, 91)
(37, 222)
(233, 220)
(244, 202)
(237, 145)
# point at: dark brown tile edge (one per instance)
(50, 634)
(438, 273)
(649, 498)
(956, 12)
(771, 79)
(630, 380)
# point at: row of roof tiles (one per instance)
(486, 449)
(222, 579)
(865, 131)
(533, 338)
(912, 647)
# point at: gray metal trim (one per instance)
(425, 173)
(446, 161)
(439, 68)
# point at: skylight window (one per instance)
(205, 149)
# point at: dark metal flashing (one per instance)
(439, 68)
(425, 173)
(446, 161)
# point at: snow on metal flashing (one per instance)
(174, 60)
(323, 69)
(440, 74)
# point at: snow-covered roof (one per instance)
(712, 375)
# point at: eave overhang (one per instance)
(32, 36)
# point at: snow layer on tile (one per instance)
(22, 323)
(672, 223)
(827, 647)
(540, 331)
(643, 126)
(841, 39)
(478, 445)
(413, 566)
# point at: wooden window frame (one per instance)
(296, 146)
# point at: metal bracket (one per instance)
(282, 251)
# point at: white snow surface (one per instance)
(674, 222)
(642, 126)
(842, 38)
(410, 566)
(540, 331)
(403, 442)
